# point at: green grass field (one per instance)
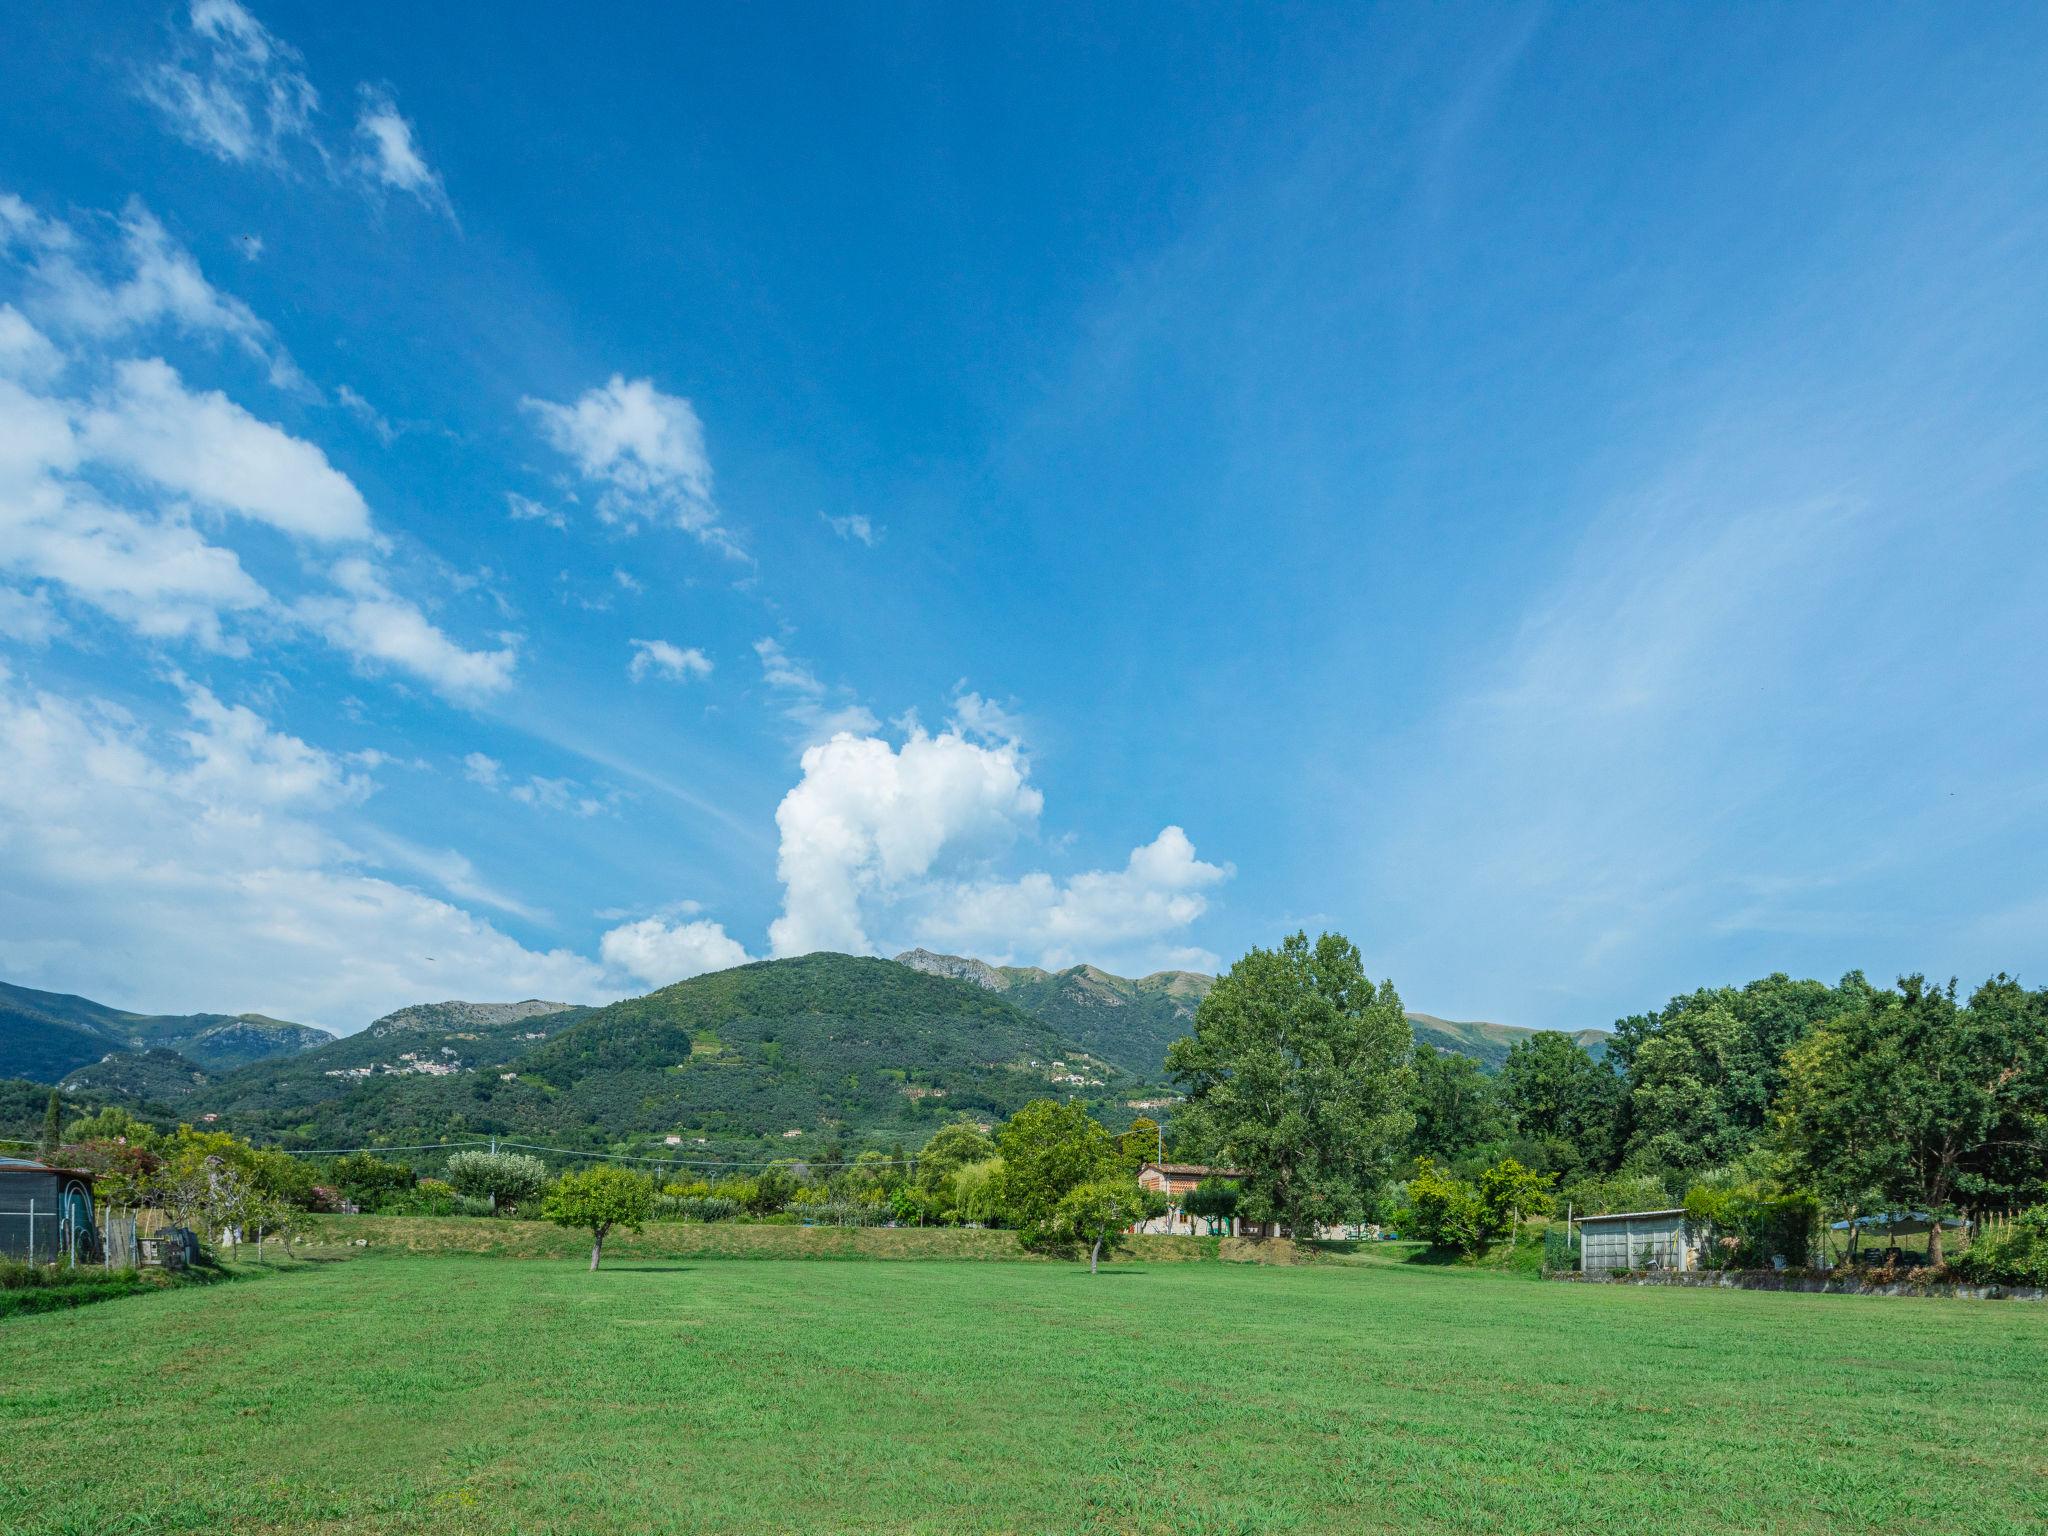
(473, 1394)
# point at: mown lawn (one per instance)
(420, 1394)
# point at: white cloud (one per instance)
(28, 617)
(868, 819)
(192, 869)
(556, 795)
(661, 658)
(207, 447)
(659, 953)
(974, 715)
(805, 699)
(367, 414)
(157, 574)
(523, 509)
(390, 156)
(380, 628)
(159, 282)
(235, 89)
(25, 352)
(545, 794)
(1092, 916)
(906, 838)
(854, 525)
(644, 449)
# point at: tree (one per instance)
(503, 1178)
(951, 1148)
(1456, 1105)
(1704, 1071)
(600, 1199)
(1140, 1144)
(1443, 1209)
(1559, 1098)
(1298, 1072)
(1097, 1213)
(1932, 1103)
(1048, 1148)
(1213, 1200)
(1507, 1193)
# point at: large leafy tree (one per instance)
(1929, 1104)
(1561, 1100)
(1457, 1107)
(1049, 1148)
(1704, 1071)
(1298, 1072)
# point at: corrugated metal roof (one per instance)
(1676, 1210)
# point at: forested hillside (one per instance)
(44, 1035)
(822, 1046)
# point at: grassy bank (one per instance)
(472, 1395)
(738, 1240)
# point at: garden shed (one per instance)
(45, 1212)
(1637, 1240)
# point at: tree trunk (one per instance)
(596, 1246)
(1934, 1240)
(1094, 1255)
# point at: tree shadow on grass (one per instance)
(646, 1269)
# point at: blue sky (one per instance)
(494, 510)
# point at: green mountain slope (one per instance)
(1132, 1022)
(1126, 1021)
(139, 1077)
(44, 1035)
(826, 1046)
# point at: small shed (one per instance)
(45, 1212)
(1638, 1240)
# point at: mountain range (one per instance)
(789, 1053)
(44, 1035)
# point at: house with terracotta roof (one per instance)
(1176, 1181)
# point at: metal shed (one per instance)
(1637, 1240)
(45, 1212)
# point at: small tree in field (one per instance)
(503, 1178)
(1097, 1213)
(600, 1199)
(1213, 1200)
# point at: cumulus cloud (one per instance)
(643, 450)
(659, 953)
(233, 88)
(660, 658)
(907, 837)
(195, 867)
(390, 155)
(806, 701)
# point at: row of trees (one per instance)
(1858, 1098)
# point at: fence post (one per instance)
(31, 1229)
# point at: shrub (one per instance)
(2013, 1254)
(499, 1178)
(672, 1207)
